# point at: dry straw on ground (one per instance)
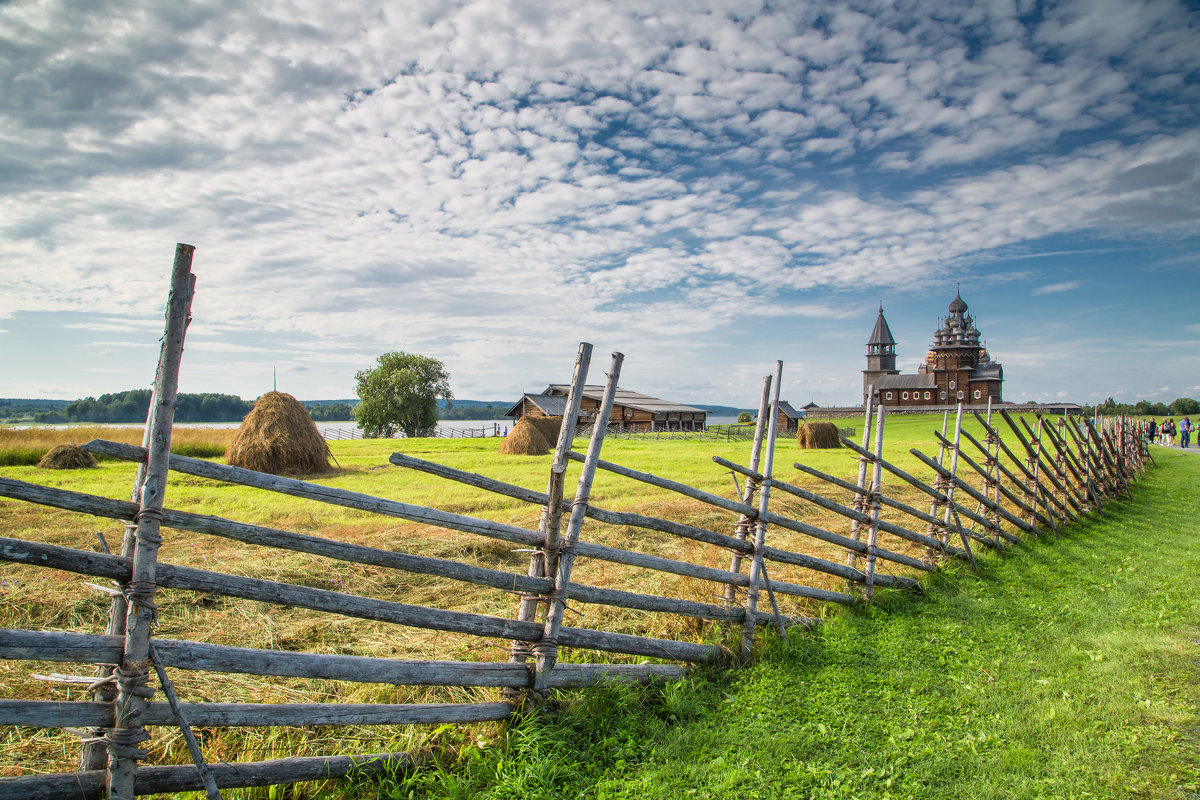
(67, 456)
(525, 440)
(278, 436)
(817, 436)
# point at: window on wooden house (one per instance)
(978, 394)
(887, 396)
(904, 395)
(960, 395)
(928, 396)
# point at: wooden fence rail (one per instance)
(994, 501)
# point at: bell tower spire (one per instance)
(881, 353)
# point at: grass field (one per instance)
(1066, 670)
(33, 599)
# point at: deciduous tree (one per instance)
(400, 394)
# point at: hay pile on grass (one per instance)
(278, 436)
(525, 440)
(817, 436)
(547, 426)
(67, 456)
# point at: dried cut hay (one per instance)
(525, 439)
(547, 426)
(278, 436)
(817, 436)
(67, 456)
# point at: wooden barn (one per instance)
(631, 411)
(789, 418)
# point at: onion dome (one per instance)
(958, 306)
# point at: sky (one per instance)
(706, 187)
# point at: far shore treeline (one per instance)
(131, 407)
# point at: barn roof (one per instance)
(624, 398)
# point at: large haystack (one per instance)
(817, 436)
(67, 456)
(278, 436)
(524, 440)
(548, 426)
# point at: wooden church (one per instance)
(957, 367)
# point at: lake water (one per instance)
(453, 427)
(348, 430)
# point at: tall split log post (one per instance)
(935, 505)
(992, 478)
(541, 563)
(860, 497)
(546, 648)
(742, 529)
(760, 524)
(876, 490)
(133, 675)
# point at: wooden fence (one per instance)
(986, 494)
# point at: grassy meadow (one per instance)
(60, 601)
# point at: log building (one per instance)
(956, 369)
(631, 411)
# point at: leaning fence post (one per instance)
(760, 524)
(546, 648)
(541, 561)
(743, 524)
(860, 495)
(133, 674)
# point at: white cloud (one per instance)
(1052, 288)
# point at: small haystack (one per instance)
(278, 436)
(67, 456)
(817, 436)
(525, 440)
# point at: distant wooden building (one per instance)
(789, 418)
(631, 411)
(957, 368)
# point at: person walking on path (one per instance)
(1153, 431)
(1185, 431)
(1168, 432)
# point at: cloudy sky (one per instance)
(706, 190)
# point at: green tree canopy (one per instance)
(400, 394)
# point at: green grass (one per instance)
(1066, 670)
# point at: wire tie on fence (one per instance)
(120, 742)
(141, 594)
(134, 681)
(98, 684)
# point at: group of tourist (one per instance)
(1164, 434)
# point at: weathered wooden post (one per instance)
(949, 482)
(541, 562)
(546, 648)
(940, 485)
(861, 494)
(742, 530)
(876, 491)
(760, 524)
(132, 676)
(991, 488)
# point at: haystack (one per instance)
(817, 436)
(67, 456)
(525, 440)
(278, 436)
(548, 426)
